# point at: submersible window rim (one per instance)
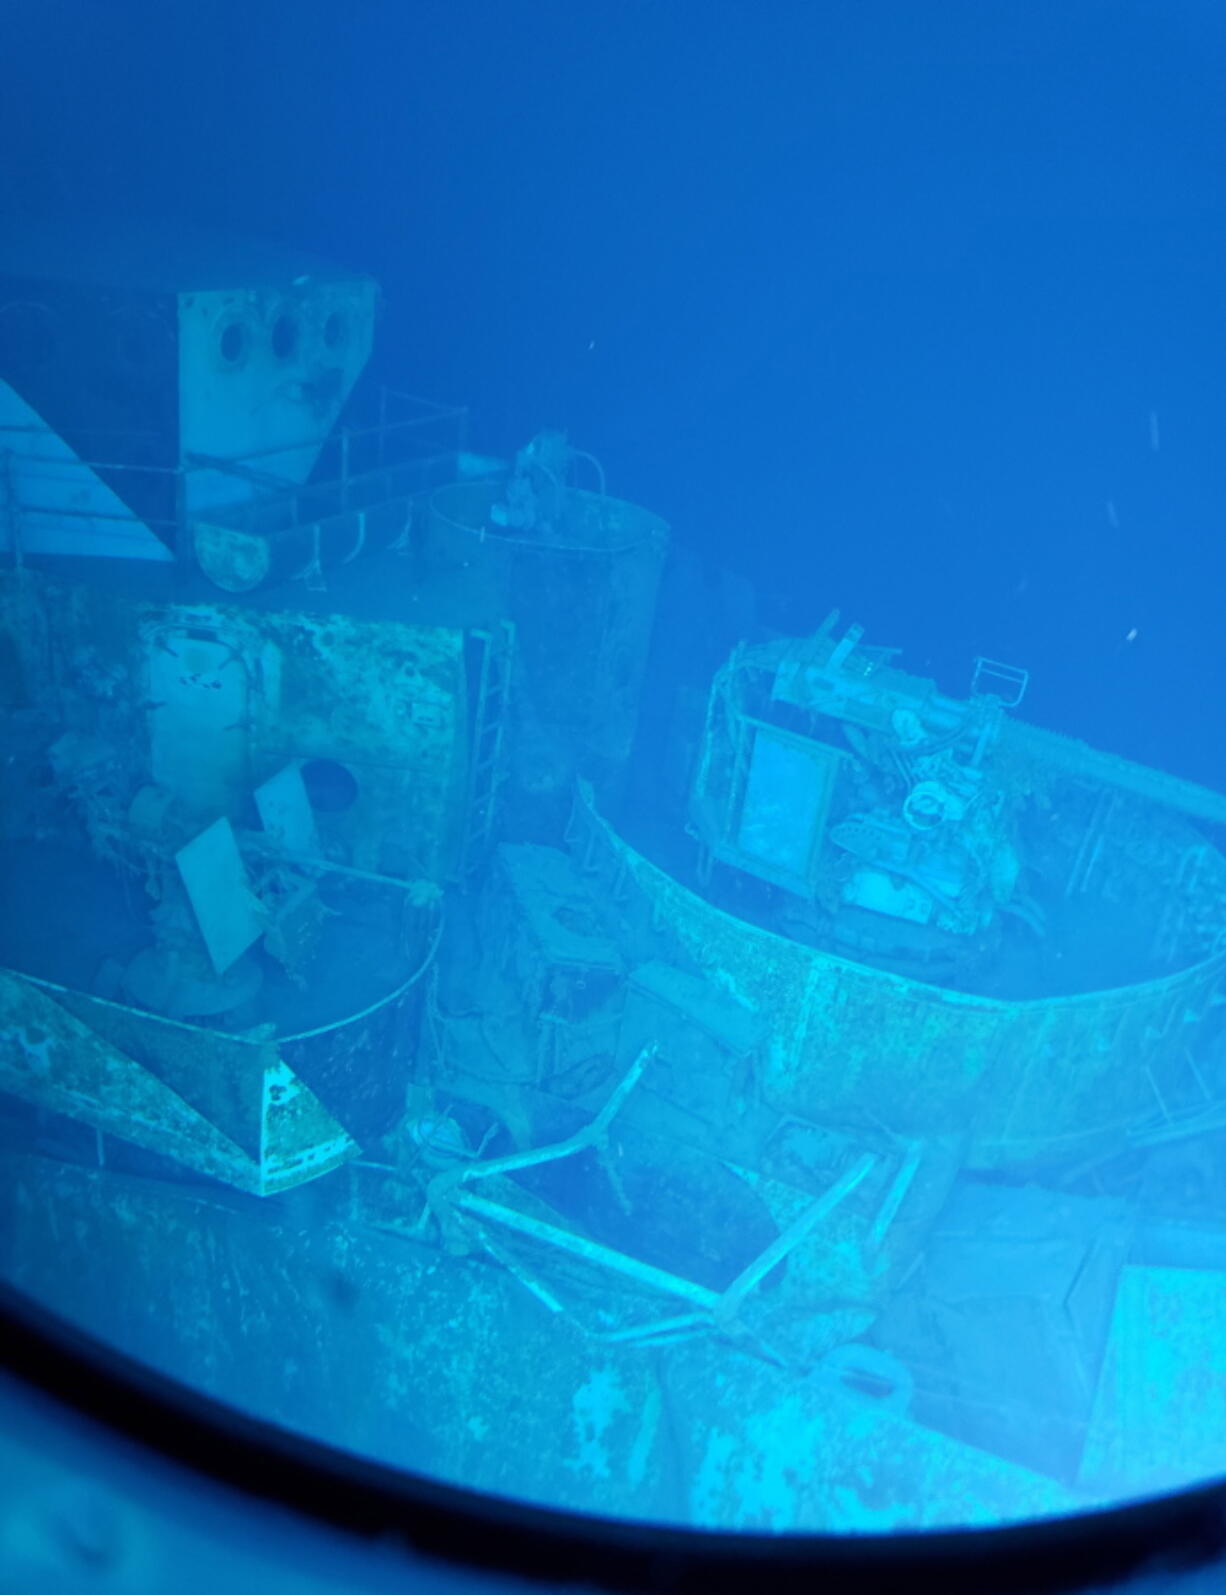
(440, 1527)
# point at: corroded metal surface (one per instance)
(386, 699)
(375, 1344)
(273, 1133)
(1160, 1416)
(582, 599)
(1024, 1079)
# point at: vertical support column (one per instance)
(183, 551)
(10, 510)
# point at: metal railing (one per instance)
(51, 470)
(356, 467)
(410, 444)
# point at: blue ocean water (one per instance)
(913, 312)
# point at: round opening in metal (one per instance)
(232, 342)
(331, 787)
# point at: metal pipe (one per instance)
(590, 1251)
(749, 1278)
(442, 1185)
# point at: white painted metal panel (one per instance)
(286, 812)
(52, 502)
(228, 912)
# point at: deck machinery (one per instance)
(329, 768)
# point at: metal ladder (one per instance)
(489, 726)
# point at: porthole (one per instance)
(232, 342)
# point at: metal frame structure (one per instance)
(410, 447)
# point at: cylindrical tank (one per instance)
(582, 597)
